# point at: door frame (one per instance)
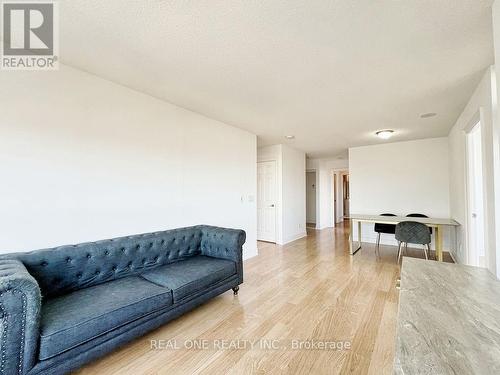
(339, 172)
(277, 199)
(472, 259)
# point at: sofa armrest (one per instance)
(224, 243)
(20, 303)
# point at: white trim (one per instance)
(477, 119)
(254, 251)
(495, 91)
(294, 238)
(452, 256)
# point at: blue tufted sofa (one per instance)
(63, 307)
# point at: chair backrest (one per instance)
(385, 228)
(416, 215)
(413, 232)
(419, 215)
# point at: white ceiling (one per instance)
(329, 72)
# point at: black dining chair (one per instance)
(414, 233)
(380, 228)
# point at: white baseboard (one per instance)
(296, 237)
(250, 252)
(455, 258)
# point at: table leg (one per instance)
(351, 237)
(352, 248)
(439, 243)
(359, 235)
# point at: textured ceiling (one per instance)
(329, 72)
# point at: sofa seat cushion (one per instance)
(192, 275)
(73, 319)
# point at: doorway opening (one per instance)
(267, 188)
(311, 190)
(346, 195)
(340, 196)
(475, 200)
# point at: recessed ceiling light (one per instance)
(385, 134)
(428, 115)
(289, 136)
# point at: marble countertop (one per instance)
(449, 320)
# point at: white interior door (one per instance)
(475, 219)
(311, 197)
(266, 201)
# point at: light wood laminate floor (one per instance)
(310, 289)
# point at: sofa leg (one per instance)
(235, 290)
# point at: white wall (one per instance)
(400, 178)
(291, 204)
(83, 159)
(478, 108)
(294, 194)
(324, 177)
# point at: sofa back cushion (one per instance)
(67, 268)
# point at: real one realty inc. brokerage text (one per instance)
(260, 344)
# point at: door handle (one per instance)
(271, 205)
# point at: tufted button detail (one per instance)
(89, 256)
(79, 275)
(44, 264)
(150, 244)
(68, 260)
(97, 272)
(113, 268)
(106, 252)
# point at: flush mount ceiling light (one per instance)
(385, 134)
(289, 136)
(428, 115)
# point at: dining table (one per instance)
(437, 224)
